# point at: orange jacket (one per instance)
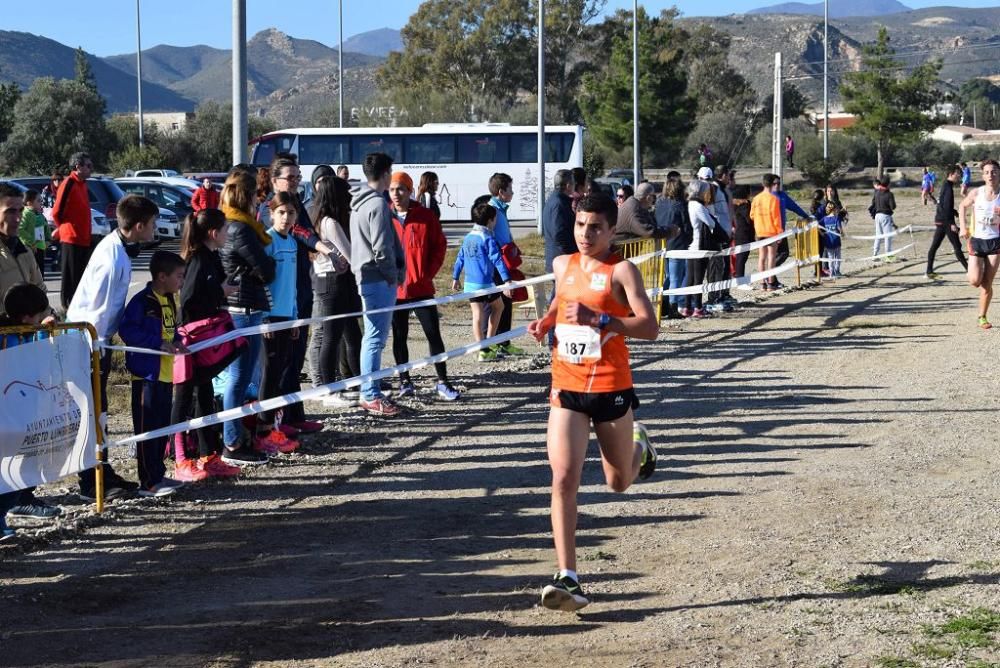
(765, 212)
(72, 211)
(424, 246)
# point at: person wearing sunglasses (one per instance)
(623, 193)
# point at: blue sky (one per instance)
(107, 27)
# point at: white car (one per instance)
(167, 225)
(182, 181)
(152, 172)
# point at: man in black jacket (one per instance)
(558, 219)
(944, 223)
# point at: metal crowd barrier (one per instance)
(652, 270)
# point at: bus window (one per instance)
(324, 150)
(429, 149)
(482, 148)
(524, 148)
(558, 147)
(391, 145)
(266, 149)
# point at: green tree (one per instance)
(210, 136)
(84, 72)
(10, 93)
(794, 103)
(891, 107)
(665, 111)
(133, 157)
(53, 120)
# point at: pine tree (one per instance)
(84, 72)
(890, 107)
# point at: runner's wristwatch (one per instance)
(603, 321)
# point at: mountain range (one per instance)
(294, 81)
(838, 8)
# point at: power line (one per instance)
(801, 77)
(941, 50)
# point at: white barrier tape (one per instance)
(718, 286)
(894, 233)
(260, 406)
(872, 257)
(436, 301)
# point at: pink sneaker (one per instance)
(274, 442)
(308, 426)
(215, 467)
(187, 470)
(379, 406)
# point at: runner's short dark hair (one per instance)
(376, 166)
(601, 204)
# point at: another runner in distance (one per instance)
(984, 238)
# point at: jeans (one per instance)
(239, 374)
(883, 226)
(375, 295)
(676, 273)
(833, 254)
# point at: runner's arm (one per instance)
(967, 201)
(539, 328)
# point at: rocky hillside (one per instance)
(838, 8)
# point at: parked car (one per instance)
(151, 172)
(176, 198)
(218, 178)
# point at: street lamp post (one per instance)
(826, 81)
(239, 81)
(636, 150)
(138, 68)
(541, 112)
(340, 66)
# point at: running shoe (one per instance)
(214, 466)
(984, 323)
(564, 594)
(188, 470)
(308, 426)
(6, 533)
(700, 313)
(510, 349)
(488, 355)
(446, 392)
(35, 509)
(684, 312)
(157, 491)
(931, 276)
(647, 463)
(243, 456)
(406, 389)
(715, 307)
(380, 406)
(340, 400)
(274, 442)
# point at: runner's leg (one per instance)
(990, 265)
(566, 442)
(620, 455)
(975, 273)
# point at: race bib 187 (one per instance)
(577, 343)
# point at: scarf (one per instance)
(242, 217)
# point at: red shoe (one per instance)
(187, 470)
(288, 430)
(308, 426)
(215, 467)
(274, 442)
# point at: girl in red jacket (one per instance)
(424, 245)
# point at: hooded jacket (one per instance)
(142, 327)
(376, 254)
(424, 247)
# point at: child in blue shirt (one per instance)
(832, 229)
(150, 321)
(284, 306)
(480, 256)
(24, 304)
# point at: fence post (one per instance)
(798, 253)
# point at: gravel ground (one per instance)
(825, 497)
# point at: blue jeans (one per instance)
(676, 273)
(240, 372)
(375, 295)
(883, 226)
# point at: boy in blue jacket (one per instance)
(150, 321)
(480, 256)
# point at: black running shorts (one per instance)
(984, 247)
(598, 406)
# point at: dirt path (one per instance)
(827, 488)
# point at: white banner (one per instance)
(46, 411)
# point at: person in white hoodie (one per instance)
(100, 300)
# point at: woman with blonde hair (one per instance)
(250, 269)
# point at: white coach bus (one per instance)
(463, 155)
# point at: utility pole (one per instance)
(138, 68)
(340, 65)
(826, 81)
(541, 112)
(636, 149)
(777, 137)
(239, 81)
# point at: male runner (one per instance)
(599, 301)
(984, 244)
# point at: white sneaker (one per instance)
(157, 491)
(340, 400)
(170, 482)
(447, 392)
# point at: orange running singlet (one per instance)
(586, 359)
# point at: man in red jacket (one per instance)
(424, 246)
(71, 214)
(205, 197)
